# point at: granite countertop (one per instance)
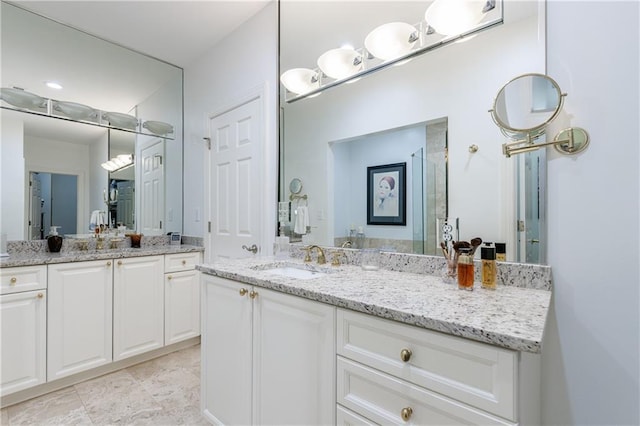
(510, 317)
(45, 258)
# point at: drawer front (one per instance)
(388, 400)
(475, 373)
(346, 417)
(23, 278)
(181, 262)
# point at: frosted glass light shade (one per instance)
(453, 17)
(22, 98)
(300, 80)
(390, 41)
(339, 63)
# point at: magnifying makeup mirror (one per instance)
(524, 107)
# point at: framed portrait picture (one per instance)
(386, 194)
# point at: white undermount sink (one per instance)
(293, 270)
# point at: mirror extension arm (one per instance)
(568, 141)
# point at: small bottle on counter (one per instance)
(465, 269)
(360, 238)
(501, 252)
(488, 258)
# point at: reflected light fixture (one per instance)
(453, 17)
(340, 63)
(300, 80)
(118, 163)
(390, 41)
(394, 43)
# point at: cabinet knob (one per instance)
(243, 291)
(119, 262)
(253, 294)
(405, 355)
(13, 280)
(406, 413)
(40, 295)
(184, 262)
(169, 277)
(108, 263)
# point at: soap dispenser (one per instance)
(54, 241)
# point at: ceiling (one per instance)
(177, 32)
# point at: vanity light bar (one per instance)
(312, 82)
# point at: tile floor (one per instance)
(163, 391)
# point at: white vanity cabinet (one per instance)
(138, 305)
(79, 317)
(23, 317)
(181, 297)
(390, 372)
(268, 357)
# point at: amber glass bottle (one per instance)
(465, 270)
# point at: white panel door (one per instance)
(152, 188)
(181, 306)
(234, 181)
(226, 351)
(138, 305)
(294, 356)
(79, 317)
(23, 317)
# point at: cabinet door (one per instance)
(181, 306)
(24, 326)
(138, 306)
(294, 355)
(226, 351)
(79, 317)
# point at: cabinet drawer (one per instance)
(181, 261)
(386, 399)
(23, 278)
(477, 374)
(346, 417)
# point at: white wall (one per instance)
(12, 163)
(52, 156)
(454, 82)
(591, 348)
(246, 59)
(351, 160)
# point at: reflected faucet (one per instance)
(346, 244)
(321, 259)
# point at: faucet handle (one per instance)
(335, 258)
(307, 255)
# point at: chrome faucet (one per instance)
(321, 259)
(346, 244)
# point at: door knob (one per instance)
(243, 291)
(253, 249)
(253, 294)
(13, 280)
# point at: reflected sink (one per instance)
(293, 270)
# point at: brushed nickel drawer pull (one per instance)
(108, 263)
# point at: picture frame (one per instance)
(386, 194)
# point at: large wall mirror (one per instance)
(433, 107)
(51, 165)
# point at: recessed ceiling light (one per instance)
(53, 85)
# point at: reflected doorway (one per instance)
(53, 200)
